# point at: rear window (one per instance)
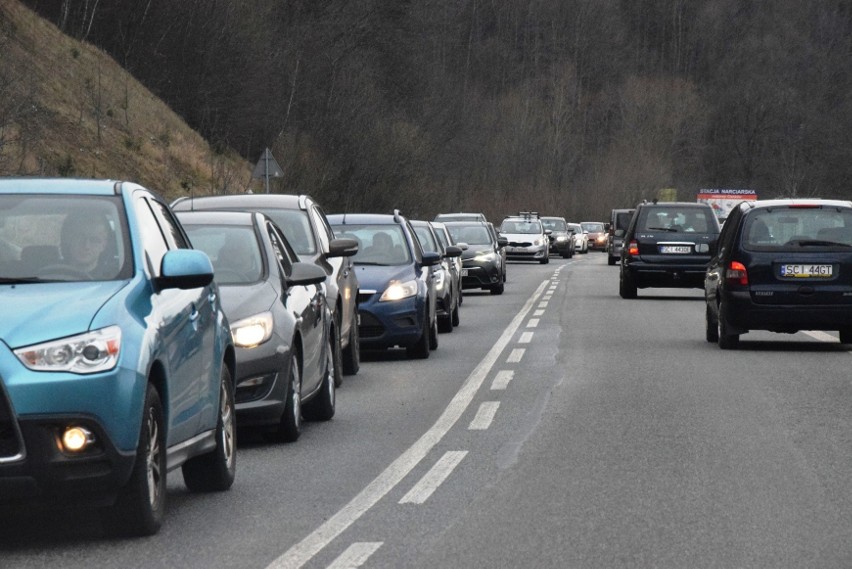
(785, 228)
(677, 220)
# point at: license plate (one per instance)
(464, 272)
(807, 271)
(675, 249)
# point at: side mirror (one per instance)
(305, 274)
(502, 241)
(430, 259)
(452, 251)
(548, 231)
(342, 247)
(185, 269)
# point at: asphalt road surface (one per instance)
(557, 426)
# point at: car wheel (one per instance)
(420, 349)
(711, 326)
(454, 317)
(352, 352)
(610, 260)
(138, 511)
(545, 261)
(727, 340)
(626, 285)
(497, 289)
(321, 407)
(846, 336)
(433, 334)
(566, 255)
(215, 470)
(290, 427)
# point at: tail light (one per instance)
(736, 274)
(633, 248)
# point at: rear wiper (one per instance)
(661, 229)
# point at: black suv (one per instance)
(782, 266)
(667, 245)
(306, 227)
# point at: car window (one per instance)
(520, 226)
(324, 231)
(171, 228)
(63, 238)
(379, 244)
(296, 226)
(233, 250)
(785, 228)
(592, 227)
(554, 224)
(683, 219)
(152, 236)
(442, 238)
(283, 253)
(427, 241)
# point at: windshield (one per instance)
(381, 244)
(233, 250)
(521, 226)
(593, 227)
(63, 238)
(470, 234)
(554, 224)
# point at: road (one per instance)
(558, 426)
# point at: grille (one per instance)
(520, 243)
(10, 440)
(370, 326)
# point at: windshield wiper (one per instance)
(25, 280)
(661, 229)
(818, 243)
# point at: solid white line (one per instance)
(502, 379)
(434, 478)
(484, 416)
(515, 356)
(538, 313)
(355, 555)
(821, 336)
(533, 323)
(526, 338)
(304, 551)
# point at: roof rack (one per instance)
(528, 214)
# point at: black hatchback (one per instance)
(782, 266)
(667, 245)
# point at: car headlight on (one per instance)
(562, 238)
(91, 352)
(252, 331)
(398, 291)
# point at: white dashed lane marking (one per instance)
(525, 338)
(484, 416)
(502, 379)
(533, 323)
(434, 478)
(355, 555)
(516, 355)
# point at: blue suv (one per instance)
(396, 302)
(115, 356)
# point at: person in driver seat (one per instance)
(83, 240)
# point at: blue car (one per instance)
(397, 300)
(116, 358)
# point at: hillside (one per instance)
(67, 109)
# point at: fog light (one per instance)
(76, 439)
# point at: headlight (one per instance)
(252, 331)
(438, 277)
(397, 291)
(562, 238)
(91, 352)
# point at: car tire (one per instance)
(337, 354)
(454, 317)
(545, 261)
(846, 336)
(497, 289)
(727, 340)
(433, 334)
(138, 510)
(626, 286)
(322, 407)
(290, 426)
(420, 349)
(352, 352)
(611, 260)
(215, 471)
(711, 332)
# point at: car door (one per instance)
(307, 305)
(175, 322)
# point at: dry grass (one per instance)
(68, 109)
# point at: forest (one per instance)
(569, 107)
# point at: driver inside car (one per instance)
(83, 242)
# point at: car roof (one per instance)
(364, 218)
(460, 223)
(552, 217)
(786, 202)
(674, 204)
(242, 201)
(30, 185)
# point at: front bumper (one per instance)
(530, 253)
(388, 324)
(481, 275)
(261, 384)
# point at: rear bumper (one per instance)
(646, 275)
(744, 314)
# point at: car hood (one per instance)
(475, 250)
(242, 301)
(376, 277)
(521, 237)
(34, 313)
